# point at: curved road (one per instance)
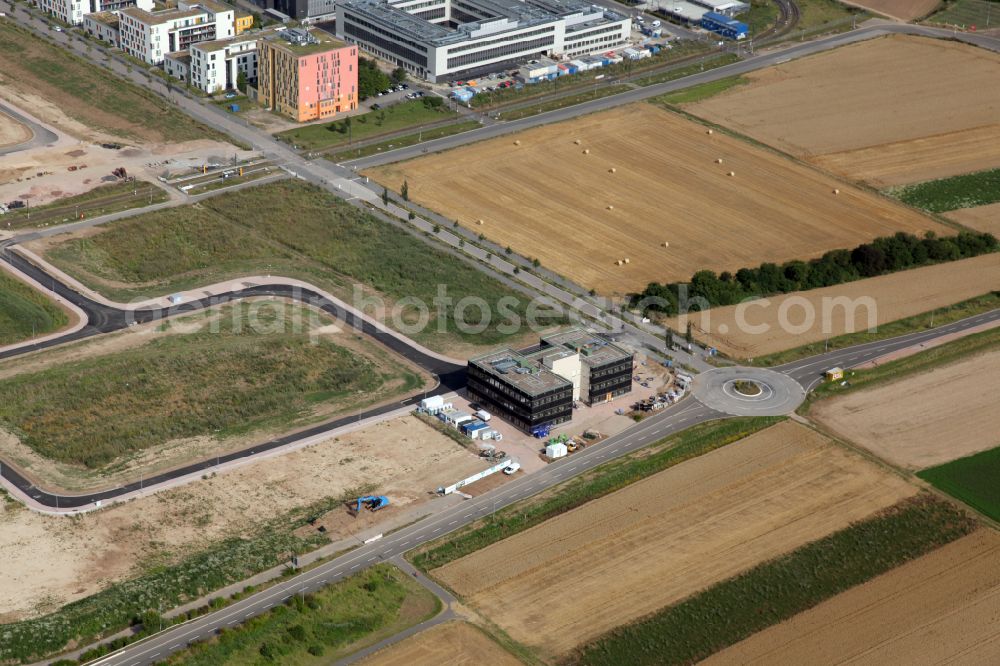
(104, 319)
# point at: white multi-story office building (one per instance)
(216, 65)
(442, 39)
(73, 11)
(149, 36)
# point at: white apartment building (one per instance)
(73, 11)
(149, 36)
(216, 65)
(442, 39)
(103, 26)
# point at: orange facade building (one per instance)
(307, 75)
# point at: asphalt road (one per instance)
(40, 136)
(104, 319)
(807, 372)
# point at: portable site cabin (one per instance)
(834, 374)
(557, 450)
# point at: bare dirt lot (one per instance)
(450, 644)
(925, 419)
(50, 561)
(895, 296)
(925, 112)
(630, 553)
(980, 218)
(904, 10)
(546, 198)
(42, 174)
(12, 132)
(941, 608)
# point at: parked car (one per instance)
(511, 468)
(404, 86)
(376, 107)
(230, 95)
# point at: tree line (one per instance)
(886, 254)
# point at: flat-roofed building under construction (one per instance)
(442, 39)
(538, 386)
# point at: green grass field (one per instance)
(687, 70)
(366, 125)
(920, 322)
(255, 371)
(734, 609)
(983, 14)
(701, 92)
(403, 141)
(601, 481)
(25, 312)
(893, 370)
(974, 480)
(965, 191)
(293, 229)
(319, 628)
(89, 93)
(562, 102)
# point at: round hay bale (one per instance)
(576, 141)
(586, 151)
(479, 221)
(618, 263)
(627, 260)
(612, 170)
(732, 173)
(718, 160)
(666, 244)
(517, 142)
(709, 132)
(610, 207)
(836, 191)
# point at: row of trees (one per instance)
(883, 255)
(372, 80)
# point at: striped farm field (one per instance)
(613, 560)
(583, 196)
(923, 113)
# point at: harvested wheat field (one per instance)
(736, 330)
(925, 112)
(904, 10)
(925, 419)
(615, 559)
(450, 644)
(941, 608)
(50, 561)
(980, 218)
(554, 197)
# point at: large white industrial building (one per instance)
(443, 39)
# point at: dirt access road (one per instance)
(899, 617)
(759, 330)
(657, 541)
(924, 419)
(450, 644)
(550, 193)
(904, 10)
(926, 111)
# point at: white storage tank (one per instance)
(556, 450)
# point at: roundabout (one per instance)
(741, 391)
